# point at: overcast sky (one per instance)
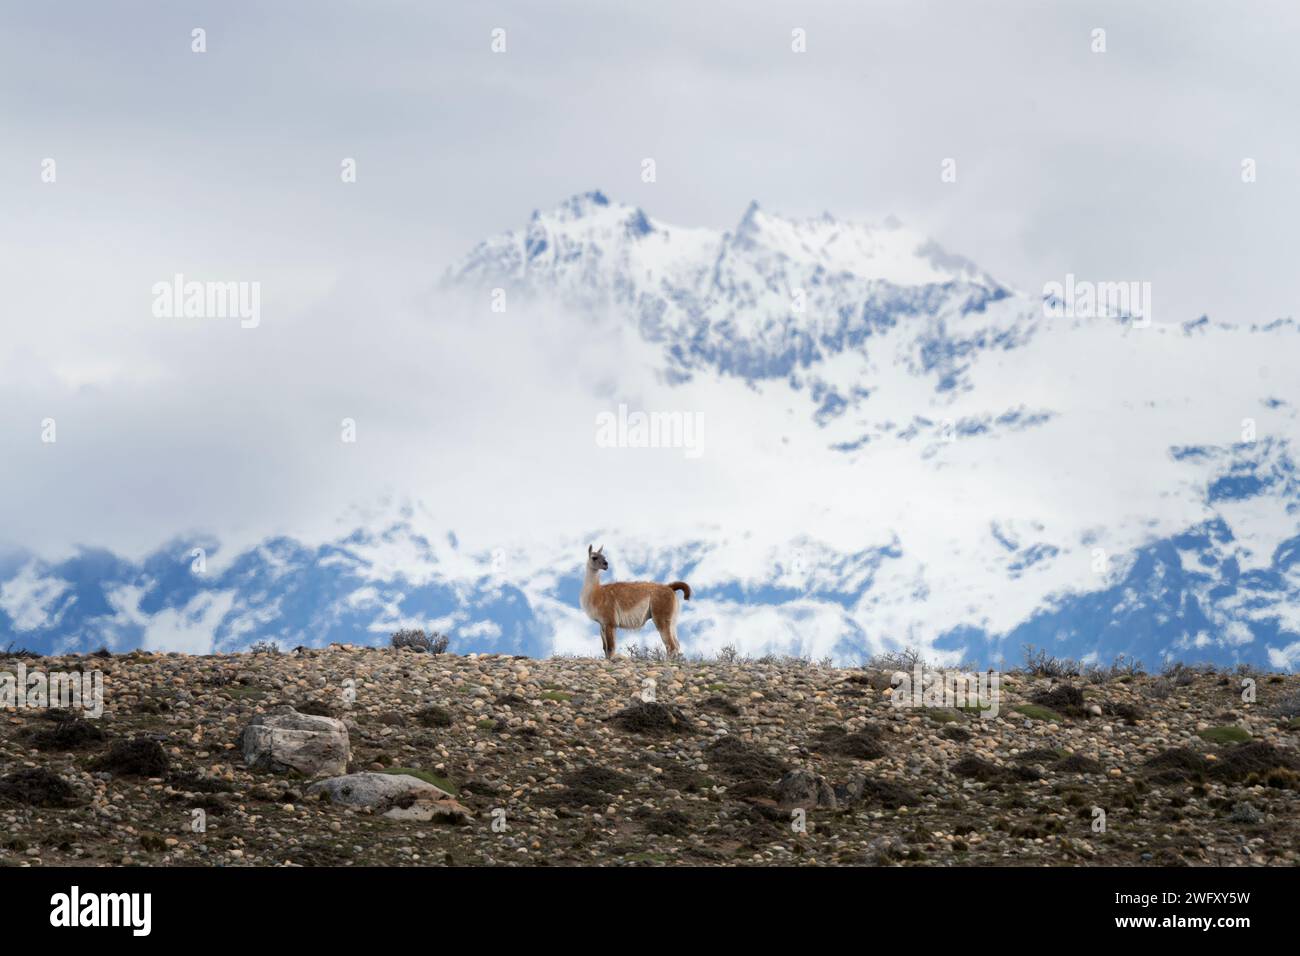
(1125, 164)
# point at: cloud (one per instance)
(30, 597)
(229, 171)
(187, 630)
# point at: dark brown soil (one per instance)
(193, 783)
(653, 718)
(1066, 699)
(315, 709)
(720, 705)
(734, 758)
(138, 757)
(863, 745)
(433, 716)
(975, 768)
(1129, 713)
(1077, 763)
(677, 777)
(573, 797)
(37, 787)
(1038, 755)
(68, 732)
(889, 795)
(669, 823)
(1176, 765)
(1239, 762)
(599, 778)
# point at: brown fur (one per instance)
(630, 604)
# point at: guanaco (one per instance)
(629, 604)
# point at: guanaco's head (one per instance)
(596, 560)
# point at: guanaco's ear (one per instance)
(600, 549)
(589, 552)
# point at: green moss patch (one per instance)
(1038, 712)
(1230, 734)
(442, 783)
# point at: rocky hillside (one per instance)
(398, 758)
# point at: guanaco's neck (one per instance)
(590, 584)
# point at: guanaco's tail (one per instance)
(683, 587)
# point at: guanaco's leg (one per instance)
(663, 610)
(666, 635)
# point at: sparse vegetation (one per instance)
(1160, 689)
(1122, 667)
(415, 639)
(1226, 735)
(13, 650)
(1287, 707)
(902, 660)
(244, 691)
(1184, 675)
(1039, 663)
(643, 652)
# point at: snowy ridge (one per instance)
(902, 451)
(768, 298)
(1206, 593)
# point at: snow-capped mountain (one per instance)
(901, 451)
(769, 299)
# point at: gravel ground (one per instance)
(561, 762)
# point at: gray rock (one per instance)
(396, 795)
(1246, 813)
(284, 739)
(885, 849)
(423, 809)
(373, 789)
(802, 788)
